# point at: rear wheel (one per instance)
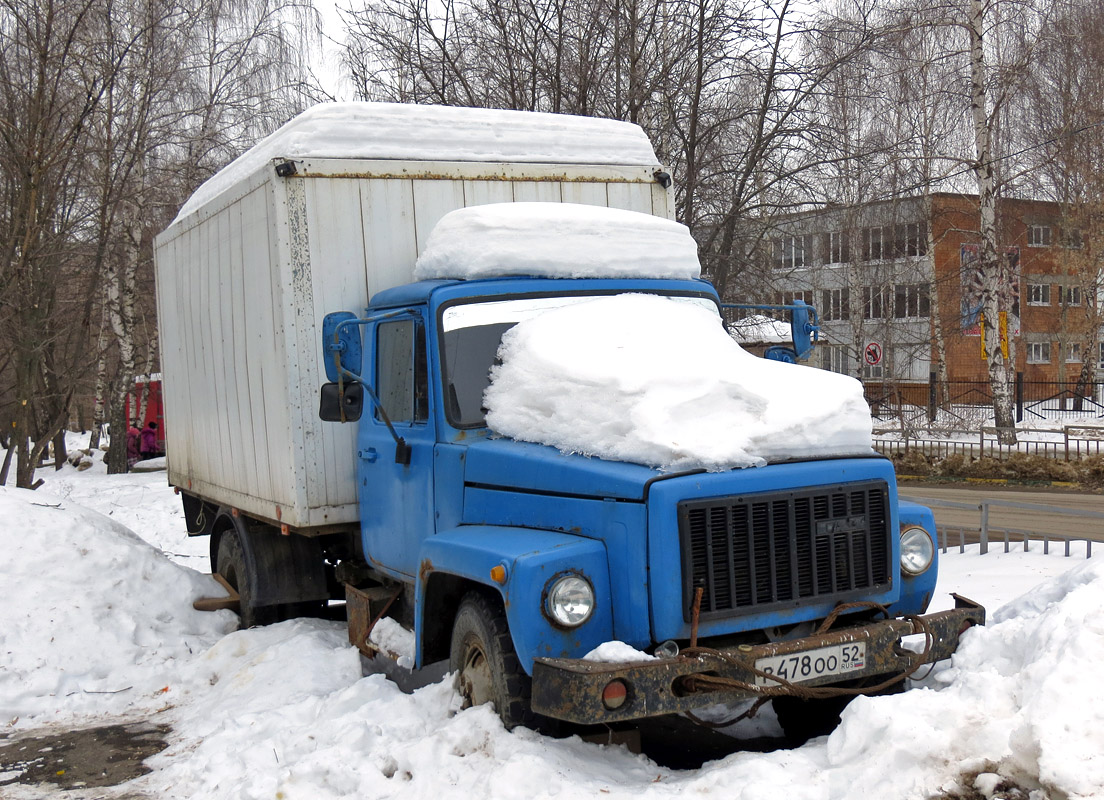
(487, 666)
(233, 567)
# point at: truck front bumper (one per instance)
(573, 689)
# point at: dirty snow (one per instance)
(646, 379)
(284, 711)
(435, 133)
(558, 240)
(91, 614)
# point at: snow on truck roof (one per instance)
(436, 133)
(557, 240)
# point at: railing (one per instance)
(1033, 401)
(1067, 443)
(1027, 536)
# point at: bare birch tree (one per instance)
(48, 92)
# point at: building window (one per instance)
(1038, 352)
(1038, 235)
(1073, 353)
(911, 239)
(911, 300)
(787, 298)
(1101, 362)
(877, 243)
(1038, 294)
(875, 302)
(792, 252)
(833, 357)
(835, 304)
(1071, 295)
(839, 247)
(1072, 239)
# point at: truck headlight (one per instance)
(570, 600)
(917, 550)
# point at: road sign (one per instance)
(873, 353)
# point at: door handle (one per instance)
(370, 455)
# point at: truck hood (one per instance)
(504, 463)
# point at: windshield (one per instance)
(471, 334)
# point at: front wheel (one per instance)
(486, 665)
(802, 720)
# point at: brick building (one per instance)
(880, 274)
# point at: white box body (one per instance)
(244, 281)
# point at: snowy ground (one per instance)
(96, 627)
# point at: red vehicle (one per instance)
(148, 388)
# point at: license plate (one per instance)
(837, 659)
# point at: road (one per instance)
(1017, 519)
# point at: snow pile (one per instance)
(650, 380)
(93, 618)
(616, 652)
(436, 133)
(393, 639)
(558, 240)
(1021, 694)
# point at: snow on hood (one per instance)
(558, 240)
(436, 133)
(658, 382)
(93, 618)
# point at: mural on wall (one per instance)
(1009, 299)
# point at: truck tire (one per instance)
(233, 566)
(802, 720)
(486, 665)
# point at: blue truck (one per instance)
(800, 581)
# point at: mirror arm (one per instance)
(402, 449)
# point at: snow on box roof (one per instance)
(436, 133)
(559, 240)
(657, 381)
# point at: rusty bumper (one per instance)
(572, 689)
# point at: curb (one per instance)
(989, 481)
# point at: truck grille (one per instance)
(782, 548)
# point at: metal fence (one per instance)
(1068, 443)
(1068, 401)
(985, 534)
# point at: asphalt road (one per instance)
(1001, 517)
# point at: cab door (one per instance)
(396, 498)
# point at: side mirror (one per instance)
(334, 401)
(340, 343)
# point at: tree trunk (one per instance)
(992, 272)
(942, 392)
(99, 410)
(7, 462)
(60, 453)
